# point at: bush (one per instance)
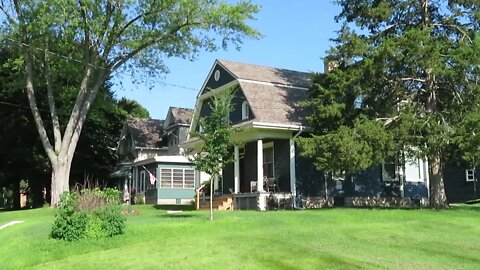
(88, 213)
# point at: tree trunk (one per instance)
(211, 198)
(60, 179)
(438, 198)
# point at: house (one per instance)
(153, 166)
(268, 171)
(461, 183)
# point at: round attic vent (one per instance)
(217, 75)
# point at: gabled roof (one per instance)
(146, 133)
(273, 94)
(267, 74)
(275, 104)
(178, 116)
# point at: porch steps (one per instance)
(220, 203)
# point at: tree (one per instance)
(215, 153)
(102, 37)
(133, 108)
(410, 70)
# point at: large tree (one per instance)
(103, 36)
(403, 75)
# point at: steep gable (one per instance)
(178, 117)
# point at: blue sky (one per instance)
(296, 33)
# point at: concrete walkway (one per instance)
(11, 223)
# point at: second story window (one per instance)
(245, 110)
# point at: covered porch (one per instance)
(263, 171)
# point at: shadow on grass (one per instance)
(175, 207)
(468, 207)
(177, 215)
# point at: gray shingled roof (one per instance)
(275, 104)
(267, 74)
(146, 132)
(182, 116)
(274, 94)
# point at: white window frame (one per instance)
(170, 186)
(470, 175)
(245, 110)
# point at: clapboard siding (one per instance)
(457, 188)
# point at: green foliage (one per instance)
(349, 149)
(90, 40)
(467, 138)
(88, 213)
(412, 66)
(216, 136)
(133, 109)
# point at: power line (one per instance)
(53, 53)
(83, 62)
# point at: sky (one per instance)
(296, 36)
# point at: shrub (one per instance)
(88, 213)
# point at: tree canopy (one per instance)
(405, 76)
(216, 135)
(101, 37)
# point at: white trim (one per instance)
(245, 110)
(218, 90)
(469, 175)
(236, 170)
(163, 159)
(201, 98)
(273, 84)
(212, 69)
(276, 126)
(141, 184)
(293, 177)
(260, 165)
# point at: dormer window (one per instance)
(245, 110)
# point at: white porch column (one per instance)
(236, 171)
(293, 177)
(260, 165)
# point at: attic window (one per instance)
(217, 75)
(245, 110)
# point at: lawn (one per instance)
(310, 239)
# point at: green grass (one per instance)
(313, 239)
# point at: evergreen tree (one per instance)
(405, 74)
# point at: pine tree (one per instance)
(406, 75)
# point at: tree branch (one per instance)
(57, 135)
(456, 27)
(120, 60)
(31, 90)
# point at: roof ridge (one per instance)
(262, 66)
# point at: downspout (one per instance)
(294, 191)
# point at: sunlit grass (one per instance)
(313, 239)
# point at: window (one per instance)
(245, 110)
(389, 171)
(469, 175)
(177, 178)
(268, 162)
